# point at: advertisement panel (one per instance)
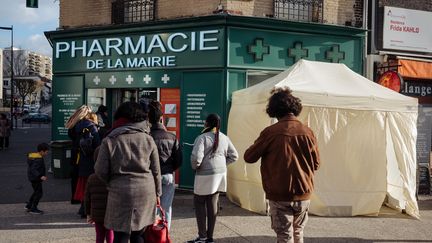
(407, 30)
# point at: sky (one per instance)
(29, 24)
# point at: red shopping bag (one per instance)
(158, 232)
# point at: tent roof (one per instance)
(324, 84)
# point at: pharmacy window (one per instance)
(257, 76)
(95, 98)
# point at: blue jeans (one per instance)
(168, 189)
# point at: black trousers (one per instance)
(74, 180)
(36, 196)
(4, 142)
(134, 237)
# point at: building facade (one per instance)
(400, 57)
(190, 55)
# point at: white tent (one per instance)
(366, 136)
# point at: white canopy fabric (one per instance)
(366, 136)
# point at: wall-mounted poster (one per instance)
(407, 29)
(170, 100)
(170, 109)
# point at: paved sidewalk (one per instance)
(61, 224)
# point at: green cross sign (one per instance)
(335, 55)
(32, 3)
(258, 49)
(298, 52)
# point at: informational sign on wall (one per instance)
(202, 94)
(67, 97)
(170, 100)
(407, 29)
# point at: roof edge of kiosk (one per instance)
(211, 20)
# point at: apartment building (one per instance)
(27, 63)
(191, 55)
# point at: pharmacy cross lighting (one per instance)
(129, 79)
(147, 79)
(96, 80)
(165, 78)
(112, 79)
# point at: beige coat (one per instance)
(128, 162)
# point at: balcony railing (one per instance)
(132, 11)
(299, 10)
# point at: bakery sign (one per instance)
(407, 30)
(417, 88)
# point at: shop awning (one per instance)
(415, 69)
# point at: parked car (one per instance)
(37, 117)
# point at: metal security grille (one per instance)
(299, 10)
(132, 11)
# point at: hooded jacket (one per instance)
(36, 167)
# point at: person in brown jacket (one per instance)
(289, 157)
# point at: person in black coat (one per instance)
(170, 156)
(36, 174)
(82, 112)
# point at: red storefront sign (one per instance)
(391, 80)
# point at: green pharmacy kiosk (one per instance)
(190, 65)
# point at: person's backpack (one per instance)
(86, 142)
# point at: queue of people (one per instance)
(132, 171)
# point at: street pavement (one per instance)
(61, 224)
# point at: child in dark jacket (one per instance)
(36, 174)
(95, 202)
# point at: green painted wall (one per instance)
(236, 80)
(246, 46)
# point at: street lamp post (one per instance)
(12, 74)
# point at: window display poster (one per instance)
(170, 100)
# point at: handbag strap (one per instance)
(162, 212)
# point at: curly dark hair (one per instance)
(131, 111)
(282, 103)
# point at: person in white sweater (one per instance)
(211, 154)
